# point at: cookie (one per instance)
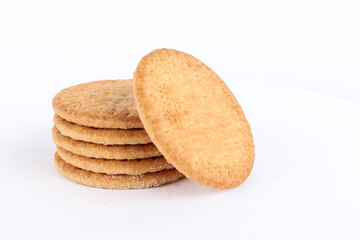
(100, 104)
(193, 119)
(120, 181)
(131, 167)
(106, 136)
(94, 150)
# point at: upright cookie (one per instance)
(193, 119)
(104, 151)
(102, 180)
(131, 167)
(100, 104)
(106, 136)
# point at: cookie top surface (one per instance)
(193, 119)
(100, 104)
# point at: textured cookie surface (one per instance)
(94, 150)
(193, 119)
(120, 181)
(100, 104)
(107, 136)
(131, 167)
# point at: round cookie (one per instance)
(106, 136)
(193, 119)
(100, 104)
(130, 167)
(94, 150)
(120, 181)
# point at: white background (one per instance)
(293, 65)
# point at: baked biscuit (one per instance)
(120, 181)
(94, 150)
(106, 136)
(100, 104)
(130, 167)
(193, 119)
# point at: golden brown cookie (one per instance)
(106, 136)
(94, 150)
(131, 167)
(193, 119)
(100, 104)
(120, 181)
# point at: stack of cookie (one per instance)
(101, 141)
(189, 114)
